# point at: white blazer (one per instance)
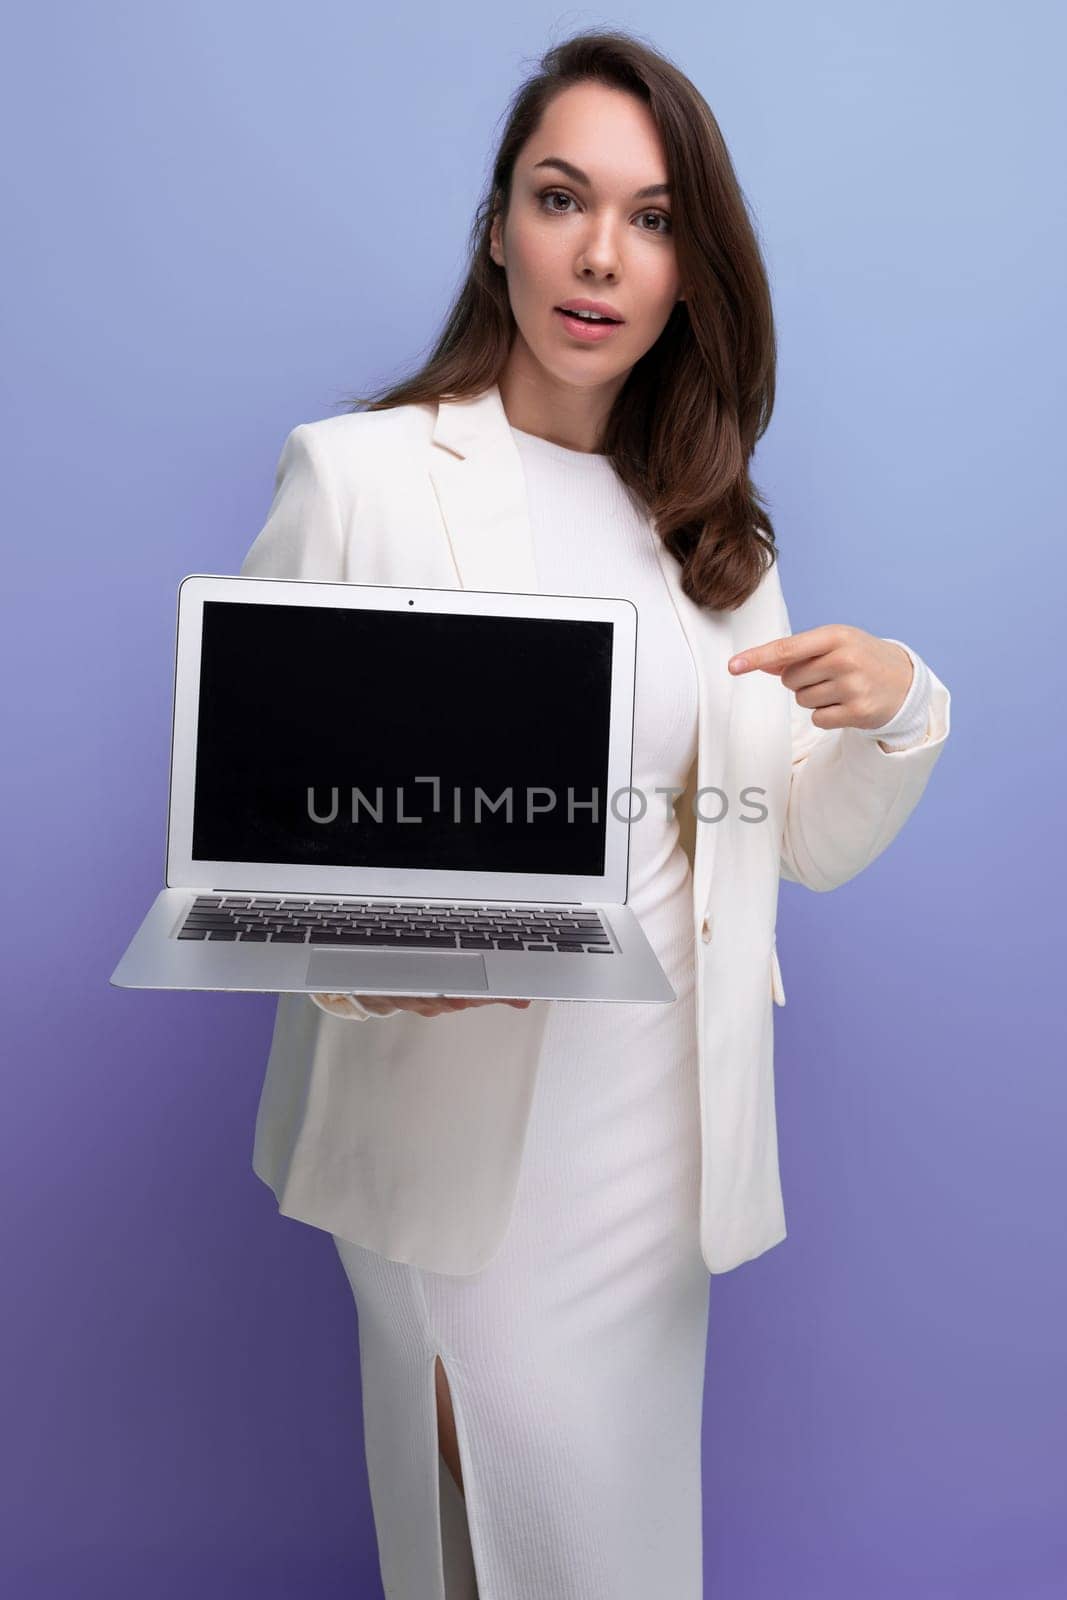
(405, 1133)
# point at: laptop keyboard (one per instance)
(395, 924)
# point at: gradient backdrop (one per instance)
(220, 220)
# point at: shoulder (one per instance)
(359, 439)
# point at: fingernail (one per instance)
(738, 664)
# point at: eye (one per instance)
(548, 194)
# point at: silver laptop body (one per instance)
(384, 790)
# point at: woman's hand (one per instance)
(852, 679)
(423, 1004)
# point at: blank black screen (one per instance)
(335, 699)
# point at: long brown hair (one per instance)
(686, 421)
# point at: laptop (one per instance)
(386, 790)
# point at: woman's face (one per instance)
(598, 231)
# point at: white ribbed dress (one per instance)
(575, 1357)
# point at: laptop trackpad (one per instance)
(360, 971)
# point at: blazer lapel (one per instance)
(711, 638)
(477, 476)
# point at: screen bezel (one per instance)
(182, 870)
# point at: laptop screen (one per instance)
(336, 736)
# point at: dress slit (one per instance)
(458, 1565)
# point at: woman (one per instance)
(527, 1198)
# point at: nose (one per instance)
(600, 254)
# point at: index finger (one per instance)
(778, 654)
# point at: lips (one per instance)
(585, 332)
(603, 313)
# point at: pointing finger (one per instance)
(777, 654)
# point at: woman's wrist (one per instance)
(908, 725)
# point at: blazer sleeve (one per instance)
(302, 539)
(848, 798)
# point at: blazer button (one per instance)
(705, 930)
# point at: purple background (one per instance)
(203, 249)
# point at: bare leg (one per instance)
(446, 1426)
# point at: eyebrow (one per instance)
(579, 176)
